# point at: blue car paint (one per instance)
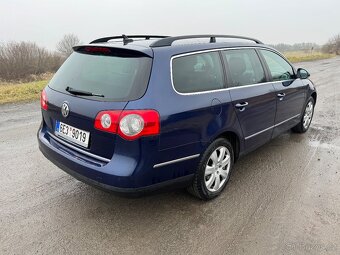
(189, 123)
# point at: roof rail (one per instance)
(127, 38)
(169, 40)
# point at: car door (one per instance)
(254, 98)
(290, 91)
(194, 109)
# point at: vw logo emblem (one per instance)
(65, 109)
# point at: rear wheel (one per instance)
(214, 170)
(307, 117)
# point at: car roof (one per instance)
(177, 47)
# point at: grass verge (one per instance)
(300, 56)
(11, 92)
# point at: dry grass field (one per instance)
(21, 92)
(301, 56)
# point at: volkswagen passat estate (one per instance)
(138, 113)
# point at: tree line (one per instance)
(283, 47)
(331, 47)
(24, 60)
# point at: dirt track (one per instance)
(283, 198)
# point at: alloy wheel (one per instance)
(217, 169)
(307, 117)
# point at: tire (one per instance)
(306, 118)
(213, 170)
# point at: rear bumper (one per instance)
(101, 174)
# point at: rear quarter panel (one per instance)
(189, 123)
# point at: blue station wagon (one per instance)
(137, 113)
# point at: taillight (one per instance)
(134, 124)
(107, 121)
(43, 100)
(129, 124)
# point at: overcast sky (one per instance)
(272, 21)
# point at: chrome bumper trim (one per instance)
(78, 149)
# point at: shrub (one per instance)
(22, 60)
(333, 45)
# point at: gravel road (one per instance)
(284, 198)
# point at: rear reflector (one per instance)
(43, 100)
(129, 124)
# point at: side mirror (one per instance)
(302, 73)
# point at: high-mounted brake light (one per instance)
(129, 124)
(43, 100)
(97, 50)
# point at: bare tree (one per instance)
(333, 45)
(64, 46)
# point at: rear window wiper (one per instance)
(82, 92)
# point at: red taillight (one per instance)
(43, 100)
(113, 116)
(136, 123)
(129, 124)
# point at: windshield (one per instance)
(117, 78)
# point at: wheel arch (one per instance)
(314, 96)
(234, 139)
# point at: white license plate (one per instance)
(72, 134)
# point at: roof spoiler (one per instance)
(127, 38)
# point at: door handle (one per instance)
(281, 95)
(241, 106)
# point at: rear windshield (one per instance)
(118, 78)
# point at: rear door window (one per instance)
(244, 67)
(120, 77)
(279, 68)
(198, 72)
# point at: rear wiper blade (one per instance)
(82, 92)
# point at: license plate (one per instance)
(72, 134)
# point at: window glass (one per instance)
(244, 67)
(118, 78)
(278, 67)
(198, 72)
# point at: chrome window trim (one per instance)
(276, 125)
(175, 161)
(217, 90)
(78, 149)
